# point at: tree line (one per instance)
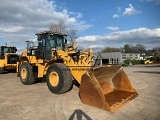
(128, 48)
(138, 48)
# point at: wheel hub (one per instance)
(24, 73)
(54, 78)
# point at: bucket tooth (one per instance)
(107, 88)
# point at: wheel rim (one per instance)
(54, 79)
(23, 73)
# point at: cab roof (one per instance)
(50, 32)
(8, 46)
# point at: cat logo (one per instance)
(33, 52)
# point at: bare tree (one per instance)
(129, 48)
(139, 48)
(156, 48)
(112, 49)
(61, 27)
(72, 35)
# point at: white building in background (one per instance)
(131, 56)
(115, 57)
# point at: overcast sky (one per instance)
(105, 23)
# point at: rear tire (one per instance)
(26, 74)
(58, 78)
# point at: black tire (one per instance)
(29, 77)
(1, 70)
(64, 78)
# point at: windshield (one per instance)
(56, 41)
(9, 50)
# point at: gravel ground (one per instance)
(36, 102)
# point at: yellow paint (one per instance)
(54, 78)
(24, 73)
(77, 68)
(40, 69)
(148, 62)
(3, 63)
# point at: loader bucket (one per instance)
(107, 88)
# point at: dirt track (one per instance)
(36, 102)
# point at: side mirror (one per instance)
(65, 41)
(39, 37)
(16, 50)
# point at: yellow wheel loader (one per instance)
(149, 60)
(104, 87)
(8, 58)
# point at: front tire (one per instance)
(58, 78)
(26, 74)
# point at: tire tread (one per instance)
(30, 77)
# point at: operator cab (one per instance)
(52, 40)
(7, 49)
(49, 41)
